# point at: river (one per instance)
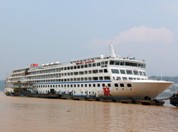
(22, 114)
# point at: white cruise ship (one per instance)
(104, 77)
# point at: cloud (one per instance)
(141, 34)
(144, 34)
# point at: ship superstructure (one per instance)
(101, 77)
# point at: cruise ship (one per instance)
(104, 77)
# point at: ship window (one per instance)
(106, 78)
(129, 85)
(103, 85)
(86, 66)
(89, 85)
(140, 73)
(81, 85)
(131, 64)
(111, 62)
(101, 71)
(129, 72)
(100, 78)
(75, 73)
(116, 85)
(105, 70)
(89, 72)
(89, 78)
(74, 85)
(115, 71)
(121, 63)
(102, 63)
(130, 78)
(106, 62)
(85, 85)
(121, 85)
(144, 73)
(124, 78)
(117, 62)
(109, 85)
(94, 64)
(98, 85)
(89, 65)
(94, 85)
(95, 78)
(71, 85)
(85, 72)
(78, 85)
(135, 72)
(95, 71)
(118, 78)
(122, 71)
(82, 66)
(98, 64)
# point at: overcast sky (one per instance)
(44, 31)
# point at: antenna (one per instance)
(112, 50)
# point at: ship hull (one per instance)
(141, 90)
(130, 90)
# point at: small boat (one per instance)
(174, 99)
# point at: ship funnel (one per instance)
(112, 51)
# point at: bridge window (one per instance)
(131, 64)
(111, 62)
(129, 72)
(115, 71)
(122, 71)
(117, 62)
(135, 72)
(122, 63)
(140, 73)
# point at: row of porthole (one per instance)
(89, 85)
(122, 85)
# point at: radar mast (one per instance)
(112, 51)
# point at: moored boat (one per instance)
(174, 99)
(99, 78)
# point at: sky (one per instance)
(45, 31)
